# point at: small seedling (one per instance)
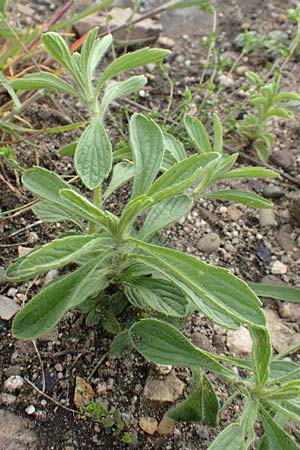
(268, 102)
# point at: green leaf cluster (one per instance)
(268, 102)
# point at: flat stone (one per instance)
(209, 243)
(7, 399)
(83, 393)
(23, 251)
(266, 217)
(201, 341)
(294, 207)
(290, 311)
(225, 80)
(278, 268)
(13, 383)
(148, 424)
(146, 29)
(285, 241)
(8, 308)
(166, 425)
(272, 191)
(163, 390)
(234, 213)
(15, 433)
(239, 341)
(281, 335)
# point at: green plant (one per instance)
(93, 151)
(270, 390)
(113, 272)
(269, 102)
(111, 419)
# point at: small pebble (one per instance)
(148, 424)
(30, 410)
(13, 383)
(278, 268)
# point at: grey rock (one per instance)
(15, 433)
(147, 28)
(225, 80)
(163, 390)
(272, 191)
(200, 340)
(209, 243)
(290, 311)
(239, 341)
(50, 276)
(30, 410)
(8, 308)
(285, 241)
(294, 207)
(266, 217)
(281, 335)
(12, 370)
(7, 399)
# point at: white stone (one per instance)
(239, 341)
(13, 383)
(30, 410)
(8, 307)
(281, 335)
(278, 268)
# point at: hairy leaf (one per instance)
(217, 285)
(197, 133)
(164, 213)
(164, 344)
(122, 173)
(277, 437)
(284, 293)
(56, 253)
(157, 294)
(44, 80)
(147, 149)
(93, 156)
(201, 405)
(43, 312)
(238, 196)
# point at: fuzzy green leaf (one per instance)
(157, 294)
(132, 61)
(68, 150)
(238, 196)
(44, 80)
(261, 354)
(218, 134)
(118, 89)
(232, 438)
(216, 285)
(162, 343)
(201, 405)
(57, 47)
(197, 133)
(50, 212)
(278, 439)
(43, 312)
(180, 176)
(84, 208)
(251, 172)
(122, 173)
(93, 157)
(164, 213)
(174, 151)
(284, 293)
(56, 253)
(147, 149)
